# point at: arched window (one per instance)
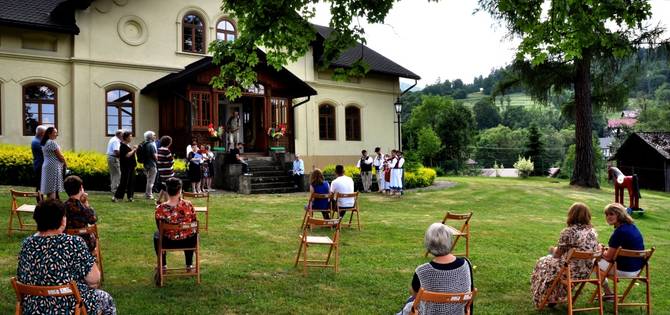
(120, 111)
(352, 120)
(193, 33)
(225, 30)
(40, 103)
(326, 122)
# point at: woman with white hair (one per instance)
(149, 152)
(446, 273)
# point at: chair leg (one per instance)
(197, 263)
(11, 219)
(630, 286)
(570, 301)
(351, 218)
(297, 257)
(160, 266)
(358, 220)
(467, 245)
(337, 257)
(330, 252)
(207, 219)
(304, 219)
(304, 260)
(615, 284)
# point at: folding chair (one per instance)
(463, 231)
(565, 278)
(309, 211)
(306, 240)
(354, 209)
(16, 210)
(64, 290)
(465, 298)
(199, 208)
(619, 300)
(177, 272)
(91, 230)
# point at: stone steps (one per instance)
(273, 190)
(269, 177)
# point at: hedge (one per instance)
(422, 177)
(16, 164)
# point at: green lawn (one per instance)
(516, 99)
(247, 256)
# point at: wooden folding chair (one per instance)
(306, 240)
(424, 296)
(309, 211)
(27, 207)
(354, 209)
(199, 208)
(91, 230)
(64, 290)
(463, 231)
(565, 278)
(642, 276)
(177, 272)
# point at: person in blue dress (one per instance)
(317, 184)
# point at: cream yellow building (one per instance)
(91, 67)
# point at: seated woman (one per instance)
(445, 273)
(317, 184)
(625, 235)
(176, 211)
(50, 257)
(77, 209)
(580, 235)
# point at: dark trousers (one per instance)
(245, 166)
(38, 179)
(126, 184)
(298, 180)
(168, 243)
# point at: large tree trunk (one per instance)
(584, 173)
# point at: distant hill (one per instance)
(405, 86)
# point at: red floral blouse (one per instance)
(182, 213)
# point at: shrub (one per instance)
(422, 177)
(498, 168)
(524, 166)
(16, 164)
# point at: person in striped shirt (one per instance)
(165, 160)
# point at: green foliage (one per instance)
(281, 27)
(500, 144)
(16, 162)
(429, 144)
(525, 166)
(535, 149)
(486, 114)
(569, 163)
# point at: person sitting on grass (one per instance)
(580, 235)
(625, 235)
(446, 273)
(345, 185)
(176, 211)
(77, 209)
(50, 258)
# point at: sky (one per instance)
(445, 41)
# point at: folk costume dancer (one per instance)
(378, 164)
(365, 165)
(387, 174)
(396, 173)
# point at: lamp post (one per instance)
(398, 111)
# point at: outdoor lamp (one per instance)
(398, 106)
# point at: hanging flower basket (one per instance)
(277, 132)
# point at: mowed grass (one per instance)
(516, 99)
(248, 253)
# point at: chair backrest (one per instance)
(645, 255)
(24, 194)
(190, 196)
(91, 229)
(69, 289)
(455, 216)
(348, 195)
(164, 227)
(318, 223)
(315, 197)
(465, 298)
(575, 255)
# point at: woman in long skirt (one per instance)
(54, 164)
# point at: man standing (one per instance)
(365, 165)
(150, 158)
(38, 156)
(345, 185)
(113, 147)
(378, 163)
(298, 172)
(233, 129)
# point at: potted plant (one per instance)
(276, 133)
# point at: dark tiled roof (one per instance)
(297, 87)
(375, 60)
(660, 141)
(48, 15)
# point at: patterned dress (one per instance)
(182, 213)
(52, 169)
(580, 237)
(55, 260)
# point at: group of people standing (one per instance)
(122, 158)
(49, 163)
(200, 160)
(388, 170)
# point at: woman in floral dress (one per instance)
(579, 235)
(53, 166)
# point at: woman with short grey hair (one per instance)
(446, 273)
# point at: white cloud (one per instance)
(445, 40)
